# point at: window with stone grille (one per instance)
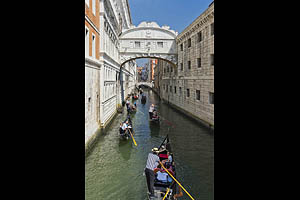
(187, 92)
(212, 29)
(160, 44)
(189, 42)
(199, 36)
(189, 64)
(137, 44)
(198, 62)
(198, 95)
(211, 98)
(181, 47)
(212, 59)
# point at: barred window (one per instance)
(199, 62)
(198, 95)
(189, 42)
(199, 36)
(211, 98)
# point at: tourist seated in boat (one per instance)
(123, 127)
(155, 115)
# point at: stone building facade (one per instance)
(107, 82)
(189, 85)
(116, 81)
(92, 68)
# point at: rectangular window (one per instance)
(171, 69)
(189, 42)
(167, 88)
(87, 2)
(181, 47)
(212, 29)
(160, 44)
(93, 46)
(198, 62)
(164, 70)
(187, 92)
(180, 91)
(181, 66)
(212, 59)
(211, 98)
(171, 88)
(200, 36)
(94, 7)
(175, 89)
(189, 64)
(198, 95)
(137, 44)
(86, 42)
(168, 69)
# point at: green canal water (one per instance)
(114, 168)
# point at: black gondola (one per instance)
(126, 134)
(161, 187)
(143, 99)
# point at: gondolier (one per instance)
(152, 163)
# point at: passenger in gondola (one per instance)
(135, 105)
(154, 115)
(123, 127)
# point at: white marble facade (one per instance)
(114, 17)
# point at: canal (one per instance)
(114, 168)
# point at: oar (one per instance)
(132, 137)
(166, 193)
(176, 181)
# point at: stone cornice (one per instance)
(92, 24)
(92, 62)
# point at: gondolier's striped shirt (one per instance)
(152, 162)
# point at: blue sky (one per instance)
(177, 14)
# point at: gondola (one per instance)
(162, 186)
(154, 119)
(126, 135)
(143, 99)
(135, 97)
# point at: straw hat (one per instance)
(155, 150)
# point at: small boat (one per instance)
(143, 99)
(126, 135)
(168, 184)
(154, 119)
(135, 97)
